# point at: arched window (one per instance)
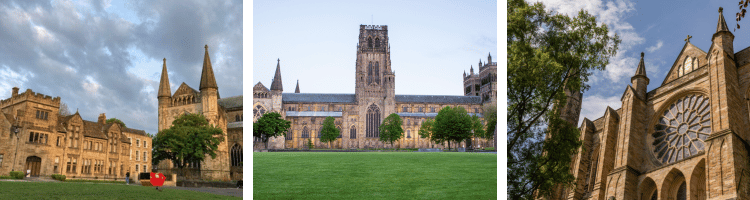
(288, 135)
(369, 72)
(373, 121)
(408, 133)
(688, 65)
(305, 132)
(258, 112)
(237, 118)
(340, 132)
(369, 42)
(353, 132)
(377, 73)
(377, 42)
(236, 155)
(320, 132)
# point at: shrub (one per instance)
(309, 144)
(58, 177)
(17, 174)
(6, 177)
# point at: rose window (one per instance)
(258, 112)
(683, 129)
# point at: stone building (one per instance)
(34, 136)
(359, 115)
(225, 113)
(685, 139)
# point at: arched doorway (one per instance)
(34, 164)
(674, 186)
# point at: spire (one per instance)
(641, 71)
(296, 90)
(164, 89)
(471, 71)
(722, 25)
(276, 85)
(480, 62)
(207, 76)
(489, 58)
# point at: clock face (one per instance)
(682, 129)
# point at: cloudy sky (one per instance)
(656, 28)
(106, 56)
(432, 42)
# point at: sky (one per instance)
(658, 29)
(432, 42)
(102, 56)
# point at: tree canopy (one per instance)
(452, 124)
(391, 129)
(425, 131)
(329, 133)
(548, 54)
(115, 120)
(270, 125)
(188, 140)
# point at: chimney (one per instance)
(102, 118)
(15, 92)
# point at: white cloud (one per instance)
(593, 107)
(613, 14)
(657, 46)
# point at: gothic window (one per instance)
(688, 65)
(236, 155)
(369, 73)
(432, 109)
(682, 130)
(377, 73)
(679, 71)
(353, 132)
(288, 135)
(258, 112)
(305, 132)
(373, 121)
(420, 109)
(369, 42)
(408, 133)
(405, 109)
(377, 42)
(340, 132)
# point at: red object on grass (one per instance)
(157, 179)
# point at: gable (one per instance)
(689, 59)
(184, 89)
(260, 88)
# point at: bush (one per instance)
(17, 174)
(6, 177)
(58, 177)
(309, 144)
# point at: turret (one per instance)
(207, 75)
(489, 58)
(640, 80)
(723, 38)
(471, 71)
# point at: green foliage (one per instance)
(115, 120)
(329, 132)
(188, 140)
(548, 54)
(391, 129)
(270, 125)
(490, 116)
(17, 174)
(5, 177)
(58, 177)
(452, 124)
(309, 143)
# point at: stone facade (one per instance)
(358, 115)
(225, 113)
(686, 139)
(34, 136)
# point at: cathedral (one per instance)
(685, 139)
(359, 115)
(225, 113)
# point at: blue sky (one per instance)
(657, 28)
(103, 56)
(432, 42)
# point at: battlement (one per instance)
(29, 95)
(374, 27)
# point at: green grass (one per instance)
(64, 190)
(94, 181)
(374, 175)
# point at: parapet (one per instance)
(30, 95)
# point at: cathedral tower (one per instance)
(209, 92)
(164, 96)
(375, 81)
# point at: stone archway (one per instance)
(34, 164)
(698, 181)
(674, 186)
(647, 189)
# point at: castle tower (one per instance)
(209, 99)
(375, 82)
(164, 96)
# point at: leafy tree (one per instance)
(309, 143)
(740, 12)
(477, 128)
(329, 132)
(490, 116)
(270, 125)
(63, 111)
(452, 124)
(425, 131)
(548, 54)
(189, 140)
(115, 120)
(391, 129)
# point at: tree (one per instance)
(452, 124)
(329, 132)
(115, 120)
(548, 54)
(270, 125)
(425, 131)
(740, 12)
(63, 111)
(477, 129)
(188, 140)
(391, 129)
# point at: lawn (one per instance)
(374, 175)
(63, 190)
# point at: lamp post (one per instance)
(14, 129)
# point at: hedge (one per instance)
(17, 174)
(58, 177)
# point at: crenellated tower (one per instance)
(375, 81)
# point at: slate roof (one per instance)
(317, 98)
(312, 114)
(231, 102)
(438, 99)
(93, 129)
(234, 125)
(430, 115)
(135, 131)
